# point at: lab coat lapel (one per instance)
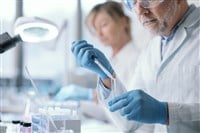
(175, 46)
(180, 36)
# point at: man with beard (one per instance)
(167, 75)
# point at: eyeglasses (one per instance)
(130, 4)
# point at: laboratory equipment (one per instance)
(29, 29)
(10, 127)
(57, 117)
(7, 42)
(15, 126)
(104, 69)
(111, 76)
(3, 127)
(26, 127)
(35, 29)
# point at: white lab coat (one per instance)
(124, 62)
(175, 79)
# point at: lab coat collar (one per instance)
(123, 52)
(180, 36)
(193, 18)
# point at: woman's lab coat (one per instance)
(124, 62)
(175, 79)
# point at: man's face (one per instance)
(157, 19)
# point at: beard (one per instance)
(163, 23)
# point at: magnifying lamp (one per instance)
(35, 29)
(31, 30)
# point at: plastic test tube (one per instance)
(104, 69)
(109, 75)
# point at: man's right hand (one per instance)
(85, 54)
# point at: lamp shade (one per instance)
(35, 29)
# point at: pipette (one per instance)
(113, 78)
(104, 69)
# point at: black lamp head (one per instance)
(7, 42)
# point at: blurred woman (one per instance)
(112, 27)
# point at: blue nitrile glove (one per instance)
(139, 106)
(74, 92)
(85, 55)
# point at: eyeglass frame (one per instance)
(131, 5)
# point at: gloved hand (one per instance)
(139, 106)
(74, 92)
(85, 55)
